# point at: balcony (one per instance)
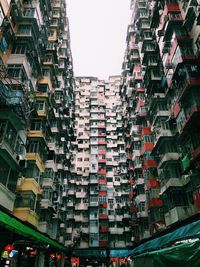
(27, 32)
(142, 214)
(60, 166)
(93, 203)
(70, 204)
(102, 171)
(36, 134)
(48, 182)
(69, 230)
(155, 203)
(70, 216)
(145, 131)
(147, 147)
(71, 192)
(81, 206)
(94, 216)
(139, 181)
(103, 229)
(178, 214)
(171, 7)
(46, 80)
(53, 36)
(81, 194)
(101, 126)
(102, 193)
(101, 142)
(94, 180)
(103, 243)
(101, 152)
(161, 133)
(140, 198)
(16, 10)
(190, 83)
(20, 59)
(101, 160)
(153, 183)
(133, 209)
(103, 204)
(7, 198)
(127, 216)
(26, 214)
(149, 164)
(174, 182)
(160, 113)
(168, 157)
(116, 231)
(37, 159)
(103, 216)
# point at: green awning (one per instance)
(15, 226)
(190, 230)
(186, 255)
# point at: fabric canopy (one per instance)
(119, 253)
(15, 226)
(186, 255)
(191, 230)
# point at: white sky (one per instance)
(98, 35)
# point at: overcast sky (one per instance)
(98, 35)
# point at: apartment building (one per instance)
(98, 194)
(161, 73)
(36, 122)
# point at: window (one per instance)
(29, 12)
(56, 12)
(180, 198)
(19, 49)
(49, 173)
(40, 105)
(93, 199)
(46, 72)
(17, 71)
(61, 63)
(25, 199)
(10, 136)
(33, 147)
(36, 126)
(24, 29)
(102, 199)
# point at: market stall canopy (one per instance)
(16, 226)
(186, 255)
(191, 230)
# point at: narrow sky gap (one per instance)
(98, 35)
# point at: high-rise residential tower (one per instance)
(36, 123)
(160, 95)
(98, 215)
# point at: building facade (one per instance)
(98, 216)
(36, 114)
(161, 114)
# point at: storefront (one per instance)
(23, 246)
